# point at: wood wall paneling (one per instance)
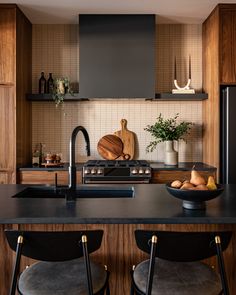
(119, 251)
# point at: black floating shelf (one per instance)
(187, 96)
(158, 97)
(48, 97)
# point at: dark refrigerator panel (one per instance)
(228, 135)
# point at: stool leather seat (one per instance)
(178, 278)
(63, 264)
(176, 263)
(66, 277)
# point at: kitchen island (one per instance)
(151, 207)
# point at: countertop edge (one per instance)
(156, 166)
(98, 221)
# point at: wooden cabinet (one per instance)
(7, 45)
(165, 176)
(227, 42)
(5, 177)
(15, 81)
(219, 68)
(47, 177)
(7, 130)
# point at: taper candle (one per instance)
(175, 75)
(189, 74)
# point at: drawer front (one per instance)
(164, 176)
(46, 177)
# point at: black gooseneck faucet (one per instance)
(72, 167)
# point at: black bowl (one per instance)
(194, 199)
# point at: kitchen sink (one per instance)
(80, 192)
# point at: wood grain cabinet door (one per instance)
(4, 179)
(47, 177)
(165, 176)
(7, 128)
(7, 46)
(227, 42)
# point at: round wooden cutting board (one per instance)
(110, 147)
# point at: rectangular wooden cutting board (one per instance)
(128, 139)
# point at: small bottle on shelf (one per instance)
(37, 155)
(42, 84)
(50, 84)
(35, 158)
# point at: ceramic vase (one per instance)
(171, 155)
(61, 87)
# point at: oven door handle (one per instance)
(87, 181)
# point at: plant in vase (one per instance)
(168, 131)
(61, 87)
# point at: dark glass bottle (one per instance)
(42, 84)
(50, 84)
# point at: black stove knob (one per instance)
(87, 171)
(93, 171)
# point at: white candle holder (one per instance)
(186, 88)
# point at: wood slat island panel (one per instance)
(119, 251)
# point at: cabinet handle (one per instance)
(55, 180)
(6, 84)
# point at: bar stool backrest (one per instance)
(182, 246)
(54, 246)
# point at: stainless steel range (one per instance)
(105, 171)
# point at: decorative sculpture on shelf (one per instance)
(186, 88)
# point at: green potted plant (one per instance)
(61, 87)
(168, 130)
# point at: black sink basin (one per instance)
(80, 192)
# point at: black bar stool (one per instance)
(64, 266)
(174, 266)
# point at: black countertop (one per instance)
(182, 166)
(152, 204)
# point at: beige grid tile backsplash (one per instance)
(53, 126)
(56, 50)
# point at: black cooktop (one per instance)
(116, 163)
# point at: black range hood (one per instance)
(117, 56)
